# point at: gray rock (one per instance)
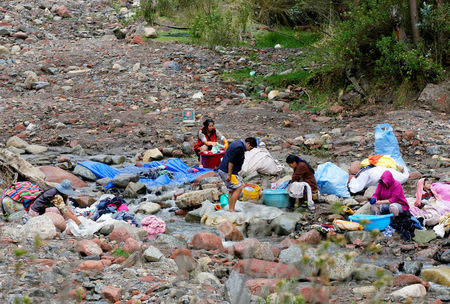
(285, 223)
(36, 149)
(445, 257)
(16, 142)
(84, 173)
(264, 252)
(196, 198)
(258, 227)
(196, 215)
(103, 181)
(152, 254)
(365, 209)
(107, 229)
(170, 241)
(368, 272)
(424, 236)
(433, 94)
(41, 226)
(16, 150)
(31, 78)
(303, 260)
(106, 159)
(148, 208)
(187, 148)
(369, 192)
(206, 278)
(40, 85)
(330, 199)
(134, 189)
(122, 180)
(235, 290)
(118, 159)
(174, 66)
(78, 150)
(412, 267)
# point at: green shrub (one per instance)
(211, 26)
(148, 11)
(399, 61)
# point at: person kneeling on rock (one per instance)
(389, 196)
(56, 197)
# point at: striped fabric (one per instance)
(23, 192)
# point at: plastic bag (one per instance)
(332, 180)
(386, 143)
(259, 160)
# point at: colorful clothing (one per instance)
(204, 138)
(391, 190)
(23, 193)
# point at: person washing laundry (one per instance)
(208, 137)
(303, 184)
(230, 166)
(55, 197)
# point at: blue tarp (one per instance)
(181, 172)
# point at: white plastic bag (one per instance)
(259, 160)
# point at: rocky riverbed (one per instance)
(79, 85)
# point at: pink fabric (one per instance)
(433, 211)
(391, 190)
(419, 191)
(123, 207)
(153, 226)
(441, 191)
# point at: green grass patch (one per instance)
(287, 38)
(119, 252)
(181, 36)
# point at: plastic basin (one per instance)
(276, 198)
(372, 222)
(211, 160)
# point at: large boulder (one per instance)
(57, 175)
(285, 223)
(57, 220)
(14, 163)
(208, 241)
(152, 154)
(229, 232)
(134, 189)
(85, 173)
(235, 290)
(16, 142)
(122, 180)
(195, 216)
(196, 198)
(439, 275)
(411, 291)
(437, 95)
(41, 226)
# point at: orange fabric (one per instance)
(373, 160)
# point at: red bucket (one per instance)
(211, 160)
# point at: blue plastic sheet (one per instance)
(181, 172)
(386, 143)
(332, 180)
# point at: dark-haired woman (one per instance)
(208, 137)
(303, 173)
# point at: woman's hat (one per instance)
(65, 187)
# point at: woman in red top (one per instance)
(208, 137)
